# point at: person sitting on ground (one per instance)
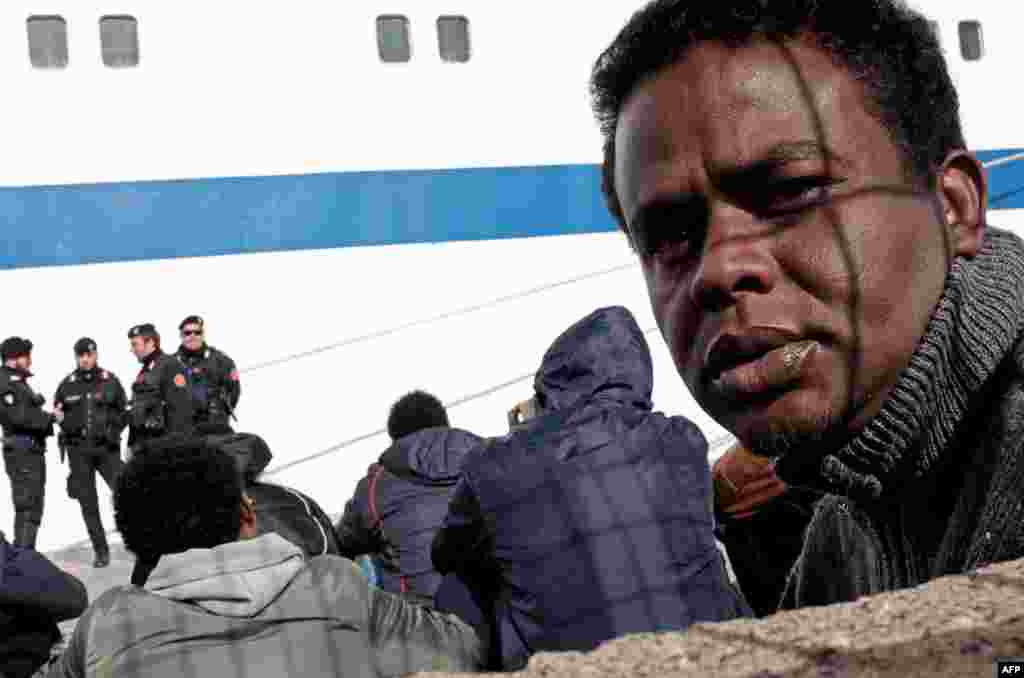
(398, 507)
(284, 510)
(224, 601)
(594, 519)
(35, 595)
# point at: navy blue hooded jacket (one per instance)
(34, 596)
(400, 504)
(595, 519)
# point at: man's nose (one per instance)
(738, 258)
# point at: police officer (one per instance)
(212, 376)
(93, 402)
(26, 427)
(161, 399)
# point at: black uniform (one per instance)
(26, 427)
(161, 400)
(94, 405)
(215, 387)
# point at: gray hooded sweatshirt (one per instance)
(258, 608)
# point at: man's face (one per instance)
(769, 208)
(192, 337)
(142, 347)
(24, 362)
(87, 361)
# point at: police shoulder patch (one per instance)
(8, 398)
(179, 380)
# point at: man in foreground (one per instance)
(223, 601)
(811, 228)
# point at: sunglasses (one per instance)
(192, 333)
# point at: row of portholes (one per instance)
(395, 46)
(48, 41)
(119, 40)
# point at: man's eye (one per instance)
(671, 230)
(796, 194)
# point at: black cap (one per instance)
(143, 330)
(12, 347)
(85, 345)
(191, 320)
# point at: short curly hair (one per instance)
(891, 50)
(176, 496)
(415, 411)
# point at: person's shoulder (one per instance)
(219, 355)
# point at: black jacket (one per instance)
(34, 596)
(213, 380)
(21, 409)
(595, 519)
(94, 405)
(161, 400)
(399, 506)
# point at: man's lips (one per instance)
(757, 362)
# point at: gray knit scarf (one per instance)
(974, 336)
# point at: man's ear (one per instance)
(961, 189)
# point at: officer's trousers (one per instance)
(26, 468)
(85, 461)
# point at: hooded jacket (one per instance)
(398, 508)
(595, 519)
(34, 596)
(259, 608)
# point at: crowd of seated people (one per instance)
(876, 449)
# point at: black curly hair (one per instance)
(415, 411)
(176, 496)
(890, 49)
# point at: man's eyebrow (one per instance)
(783, 153)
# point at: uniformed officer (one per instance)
(213, 378)
(161, 399)
(26, 427)
(94, 403)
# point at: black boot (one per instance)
(98, 538)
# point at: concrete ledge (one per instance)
(950, 627)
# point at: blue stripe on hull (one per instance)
(61, 225)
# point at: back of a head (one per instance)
(603, 352)
(414, 412)
(180, 494)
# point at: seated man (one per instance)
(223, 601)
(398, 507)
(812, 230)
(288, 512)
(594, 519)
(34, 596)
